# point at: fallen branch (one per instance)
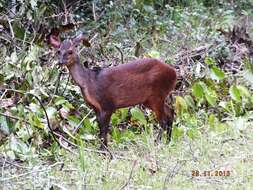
(94, 11)
(31, 172)
(79, 124)
(171, 175)
(193, 53)
(130, 176)
(42, 106)
(92, 150)
(16, 118)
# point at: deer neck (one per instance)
(80, 74)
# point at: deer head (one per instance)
(67, 49)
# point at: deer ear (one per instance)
(81, 38)
(55, 41)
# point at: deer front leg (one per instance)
(104, 120)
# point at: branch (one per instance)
(65, 12)
(48, 123)
(94, 11)
(16, 118)
(102, 52)
(92, 150)
(79, 124)
(137, 49)
(33, 171)
(66, 85)
(130, 175)
(56, 88)
(170, 175)
(11, 29)
(121, 54)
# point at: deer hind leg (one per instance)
(170, 117)
(157, 106)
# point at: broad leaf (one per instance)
(216, 73)
(235, 93)
(137, 114)
(197, 90)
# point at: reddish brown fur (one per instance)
(143, 81)
(137, 82)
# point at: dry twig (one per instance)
(30, 172)
(130, 176)
(121, 54)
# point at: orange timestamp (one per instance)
(215, 173)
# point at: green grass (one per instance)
(144, 165)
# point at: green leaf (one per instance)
(4, 126)
(148, 9)
(243, 91)
(123, 113)
(1, 79)
(189, 101)
(225, 105)
(32, 55)
(138, 115)
(116, 134)
(18, 146)
(73, 120)
(35, 120)
(11, 154)
(235, 93)
(115, 120)
(221, 127)
(209, 61)
(204, 86)
(180, 104)
(192, 133)
(216, 73)
(119, 116)
(211, 120)
(251, 99)
(197, 90)
(24, 133)
(153, 54)
(60, 100)
(211, 99)
(177, 132)
(19, 31)
(87, 126)
(210, 94)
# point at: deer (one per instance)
(146, 81)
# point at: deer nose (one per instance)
(61, 61)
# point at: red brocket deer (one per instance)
(143, 81)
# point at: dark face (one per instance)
(66, 49)
(67, 53)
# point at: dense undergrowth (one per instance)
(208, 42)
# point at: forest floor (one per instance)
(218, 159)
